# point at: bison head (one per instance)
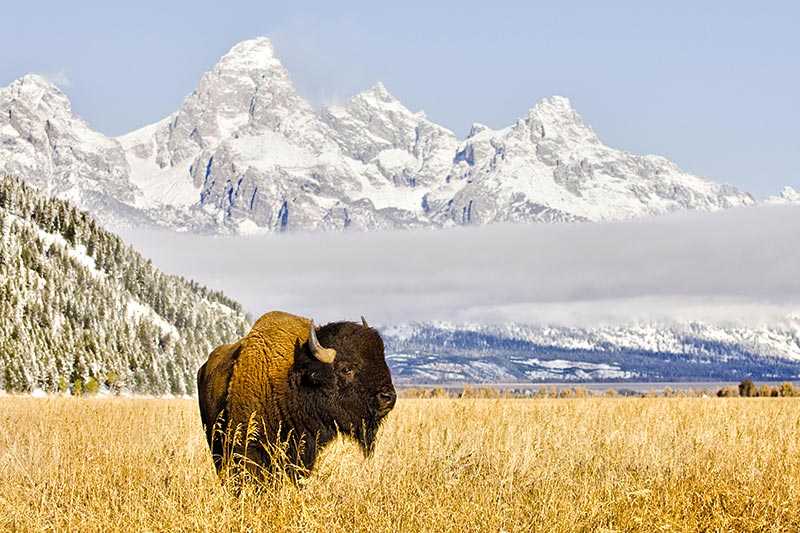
(343, 376)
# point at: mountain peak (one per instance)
(37, 80)
(556, 107)
(248, 86)
(476, 129)
(377, 92)
(789, 195)
(555, 116)
(252, 54)
(379, 89)
(34, 91)
(35, 83)
(379, 97)
(557, 102)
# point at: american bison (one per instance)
(297, 385)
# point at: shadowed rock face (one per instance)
(272, 379)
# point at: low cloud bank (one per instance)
(740, 265)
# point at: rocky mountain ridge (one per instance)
(246, 153)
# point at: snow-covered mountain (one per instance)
(551, 166)
(245, 152)
(472, 353)
(788, 195)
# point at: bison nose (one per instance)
(386, 401)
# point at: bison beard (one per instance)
(366, 434)
(298, 385)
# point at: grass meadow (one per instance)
(582, 464)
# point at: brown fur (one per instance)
(259, 383)
(270, 378)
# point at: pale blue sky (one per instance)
(713, 87)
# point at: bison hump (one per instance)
(259, 383)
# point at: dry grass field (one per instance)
(614, 464)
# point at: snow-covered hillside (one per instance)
(245, 152)
(78, 306)
(471, 353)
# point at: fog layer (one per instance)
(741, 265)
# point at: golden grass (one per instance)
(644, 464)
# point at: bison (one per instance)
(298, 386)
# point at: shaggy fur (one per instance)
(271, 377)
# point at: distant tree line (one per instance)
(748, 389)
(745, 389)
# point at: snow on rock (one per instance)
(407, 148)
(788, 195)
(45, 143)
(157, 185)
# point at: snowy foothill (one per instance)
(86, 313)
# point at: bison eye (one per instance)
(346, 371)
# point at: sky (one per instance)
(737, 266)
(711, 85)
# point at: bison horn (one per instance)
(325, 355)
(364, 322)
